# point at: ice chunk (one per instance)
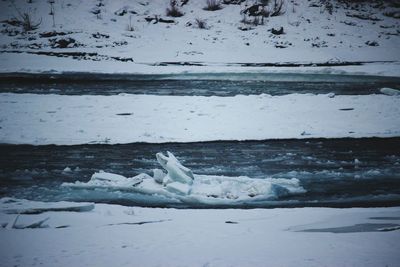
(11, 224)
(180, 184)
(37, 224)
(104, 179)
(176, 171)
(390, 91)
(241, 188)
(105, 176)
(20, 206)
(67, 169)
(158, 175)
(178, 188)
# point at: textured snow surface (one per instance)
(55, 119)
(113, 235)
(27, 63)
(311, 34)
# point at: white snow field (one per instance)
(68, 120)
(367, 32)
(111, 235)
(37, 64)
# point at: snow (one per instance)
(311, 35)
(37, 64)
(181, 184)
(66, 120)
(125, 236)
(87, 234)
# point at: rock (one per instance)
(254, 10)
(63, 43)
(233, 2)
(245, 28)
(95, 11)
(98, 35)
(277, 32)
(51, 34)
(166, 20)
(372, 43)
(150, 19)
(122, 11)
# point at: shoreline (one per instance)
(126, 236)
(28, 64)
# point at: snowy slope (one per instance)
(56, 119)
(367, 32)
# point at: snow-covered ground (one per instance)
(111, 235)
(352, 32)
(55, 119)
(130, 37)
(37, 64)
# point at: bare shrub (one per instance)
(327, 6)
(277, 8)
(51, 2)
(129, 27)
(212, 5)
(27, 22)
(173, 10)
(201, 24)
(258, 12)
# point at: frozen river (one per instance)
(228, 84)
(334, 173)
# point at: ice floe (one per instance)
(22, 206)
(390, 91)
(181, 184)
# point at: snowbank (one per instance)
(39, 64)
(113, 235)
(55, 119)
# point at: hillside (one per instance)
(127, 33)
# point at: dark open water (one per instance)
(196, 84)
(335, 173)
